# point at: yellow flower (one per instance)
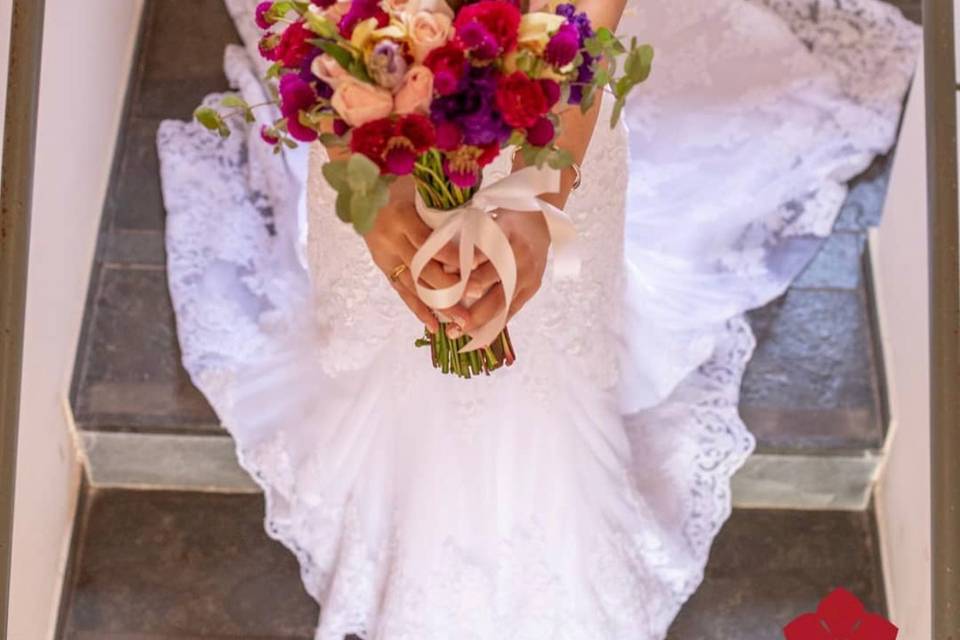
(363, 33)
(536, 29)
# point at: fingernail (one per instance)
(454, 332)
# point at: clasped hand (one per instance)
(399, 232)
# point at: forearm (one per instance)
(576, 128)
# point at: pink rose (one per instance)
(328, 70)
(359, 103)
(428, 31)
(416, 92)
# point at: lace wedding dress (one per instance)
(576, 494)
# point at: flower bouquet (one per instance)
(437, 90)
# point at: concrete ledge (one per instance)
(770, 481)
(208, 463)
(161, 461)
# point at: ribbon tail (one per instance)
(563, 236)
(440, 298)
(494, 243)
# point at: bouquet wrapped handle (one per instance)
(477, 229)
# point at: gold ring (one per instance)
(397, 272)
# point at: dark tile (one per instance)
(767, 567)
(812, 383)
(131, 376)
(155, 565)
(126, 247)
(181, 56)
(135, 201)
(838, 265)
(863, 207)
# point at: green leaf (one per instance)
(233, 101)
(362, 173)
(543, 156)
(280, 9)
(637, 65)
(516, 138)
(593, 46)
(273, 72)
(343, 57)
(321, 26)
(335, 173)
(589, 97)
(560, 159)
(364, 207)
(209, 118)
(332, 140)
(343, 205)
(617, 112)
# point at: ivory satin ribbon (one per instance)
(477, 230)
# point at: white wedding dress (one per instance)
(575, 495)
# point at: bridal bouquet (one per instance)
(438, 90)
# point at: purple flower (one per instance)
(473, 110)
(386, 64)
(296, 95)
(359, 11)
(563, 46)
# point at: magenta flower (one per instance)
(297, 95)
(268, 136)
(260, 15)
(563, 46)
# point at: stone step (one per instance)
(189, 565)
(812, 394)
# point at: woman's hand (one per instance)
(393, 241)
(530, 240)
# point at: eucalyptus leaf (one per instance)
(209, 118)
(233, 101)
(335, 173)
(362, 173)
(617, 112)
(321, 26)
(343, 206)
(364, 207)
(561, 159)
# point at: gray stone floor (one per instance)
(162, 566)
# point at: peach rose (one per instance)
(427, 32)
(328, 70)
(359, 103)
(400, 6)
(416, 92)
(336, 11)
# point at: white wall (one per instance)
(899, 252)
(86, 60)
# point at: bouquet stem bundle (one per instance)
(439, 193)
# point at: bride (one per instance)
(576, 494)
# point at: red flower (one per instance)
(448, 64)
(521, 100)
(496, 20)
(394, 144)
(293, 46)
(840, 616)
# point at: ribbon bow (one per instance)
(518, 192)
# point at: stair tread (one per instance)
(172, 564)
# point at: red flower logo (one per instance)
(840, 616)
